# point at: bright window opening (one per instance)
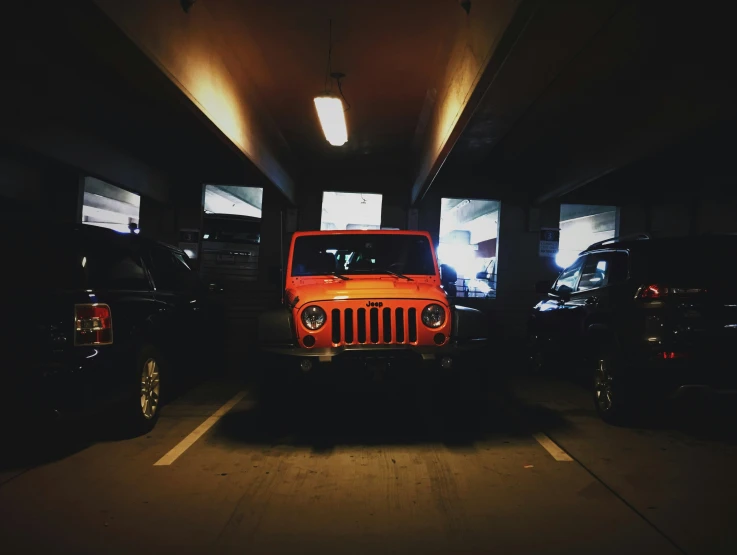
(231, 234)
(582, 225)
(106, 205)
(345, 211)
(234, 200)
(469, 232)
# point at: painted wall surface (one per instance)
(716, 216)
(19, 181)
(47, 192)
(679, 219)
(191, 49)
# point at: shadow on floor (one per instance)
(43, 437)
(702, 415)
(700, 418)
(323, 418)
(41, 442)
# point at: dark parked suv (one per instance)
(94, 318)
(649, 316)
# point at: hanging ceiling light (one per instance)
(332, 119)
(330, 109)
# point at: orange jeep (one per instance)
(368, 295)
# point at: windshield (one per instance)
(362, 254)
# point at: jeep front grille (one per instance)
(374, 326)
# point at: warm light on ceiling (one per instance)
(332, 118)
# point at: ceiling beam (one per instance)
(192, 51)
(487, 34)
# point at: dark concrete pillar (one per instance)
(429, 216)
(274, 239)
(520, 265)
(394, 210)
(189, 202)
(633, 219)
(189, 209)
(310, 210)
(157, 221)
(64, 194)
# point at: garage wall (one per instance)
(679, 219)
(716, 216)
(33, 188)
(21, 188)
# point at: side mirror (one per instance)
(447, 274)
(564, 293)
(482, 276)
(543, 287)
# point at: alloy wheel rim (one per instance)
(603, 386)
(150, 388)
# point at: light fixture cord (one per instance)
(340, 88)
(329, 69)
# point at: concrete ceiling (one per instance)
(592, 88)
(530, 97)
(392, 53)
(253, 69)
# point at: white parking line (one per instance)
(551, 447)
(188, 441)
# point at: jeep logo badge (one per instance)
(372, 303)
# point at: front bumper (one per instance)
(427, 352)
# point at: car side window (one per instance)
(127, 273)
(112, 267)
(170, 271)
(569, 277)
(595, 272)
(602, 269)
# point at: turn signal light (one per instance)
(93, 324)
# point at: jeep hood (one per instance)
(362, 288)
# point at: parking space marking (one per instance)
(190, 440)
(551, 447)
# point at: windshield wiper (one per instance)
(340, 276)
(397, 274)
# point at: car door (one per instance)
(553, 321)
(594, 302)
(179, 294)
(117, 277)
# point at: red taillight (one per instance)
(670, 355)
(93, 324)
(653, 291)
(658, 291)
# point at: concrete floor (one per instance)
(371, 473)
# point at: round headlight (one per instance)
(433, 316)
(313, 317)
